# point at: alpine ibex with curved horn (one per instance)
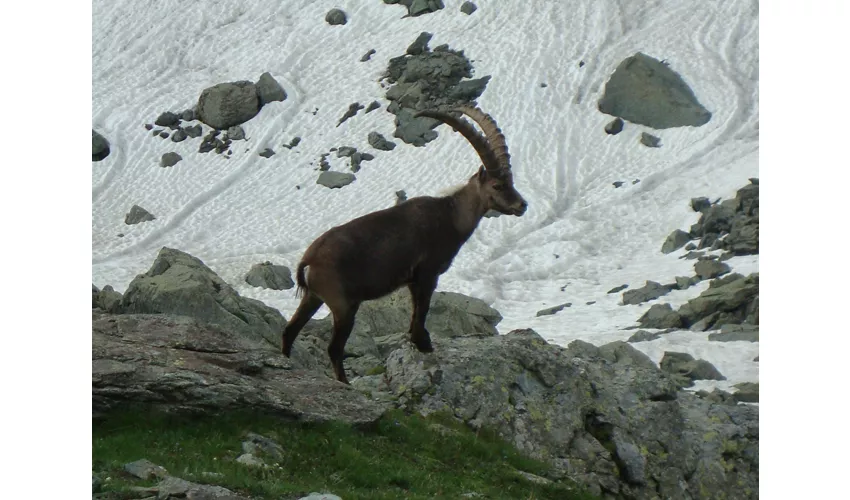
(411, 244)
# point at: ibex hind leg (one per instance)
(310, 303)
(421, 292)
(343, 324)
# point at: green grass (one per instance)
(403, 456)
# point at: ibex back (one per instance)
(410, 244)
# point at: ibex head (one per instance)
(494, 181)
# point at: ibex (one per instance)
(411, 244)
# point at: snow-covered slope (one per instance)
(579, 231)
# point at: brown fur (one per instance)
(410, 244)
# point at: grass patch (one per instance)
(403, 456)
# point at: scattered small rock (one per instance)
(614, 127)
(675, 241)
(352, 110)
(700, 204)
(194, 131)
(167, 119)
(552, 310)
(164, 135)
(357, 158)
(618, 184)
(650, 140)
(335, 180)
(145, 469)
(259, 445)
(169, 159)
(236, 133)
(690, 246)
(543, 85)
(419, 45)
(685, 369)
(148, 126)
(269, 90)
(324, 166)
(179, 135)
(710, 268)
(643, 336)
(99, 147)
(188, 115)
(345, 151)
(618, 288)
(588, 303)
(660, 316)
(379, 142)
(367, 56)
(748, 392)
(372, 106)
(250, 460)
(650, 291)
(468, 8)
(267, 153)
(136, 215)
(268, 275)
(336, 17)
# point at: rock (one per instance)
(618, 184)
(605, 416)
(169, 159)
(250, 460)
(136, 215)
(650, 291)
(336, 17)
(268, 275)
(227, 104)
(188, 115)
(236, 133)
(94, 291)
(705, 323)
(145, 469)
(675, 241)
(108, 299)
(400, 197)
(345, 151)
(614, 127)
(709, 268)
(352, 110)
(167, 119)
(661, 316)
(366, 57)
(733, 333)
(643, 336)
(178, 283)
(174, 487)
(468, 8)
(646, 91)
(684, 282)
(618, 288)
(335, 180)
(194, 131)
(650, 140)
(358, 158)
(552, 310)
(269, 90)
(418, 7)
(686, 369)
(261, 446)
(320, 496)
(324, 166)
(756, 359)
(717, 396)
(743, 237)
(180, 365)
(372, 106)
(267, 153)
(700, 204)
(163, 135)
(99, 147)
(379, 142)
(419, 45)
(179, 135)
(736, 299)
(748, 392)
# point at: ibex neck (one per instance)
(469, 209)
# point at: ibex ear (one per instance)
(482, 174)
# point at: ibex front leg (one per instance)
(421, 291)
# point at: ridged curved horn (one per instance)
(478, 141)
(493, 134)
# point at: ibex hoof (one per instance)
(423, 346)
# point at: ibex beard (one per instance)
(410, 244)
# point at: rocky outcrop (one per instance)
(650, 291)
(684, 369)
(178, 364)
(606, 416)
(675, 241)
(99, 147)
(733, 300)
(180, 284)
(426, 79)
(268, 275)
(645, 90)
(732, 225)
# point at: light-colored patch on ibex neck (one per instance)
(450, 190)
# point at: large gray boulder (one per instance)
(178, 283)
(732, 300)
(645, 90)
(227, 104)
(607, 416)
(177, 364)
(335, 180)
(650, 291)
(268, 275)
(99, 146)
